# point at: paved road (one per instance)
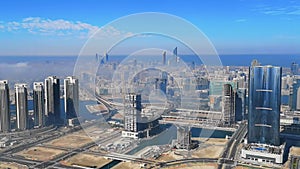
(228, 157)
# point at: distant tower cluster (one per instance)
(102, 59)
(46, 103)
(161, 83)
(294, 98)
(295, 68)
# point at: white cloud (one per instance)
(110, 31)
(15, 65)
(240, 20)
(286, 10)
(60, 27)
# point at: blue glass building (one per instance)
(264, 104)
(240, 104)
(294, 99)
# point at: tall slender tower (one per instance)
(240, 104)
(264, 104)
(52, 100)
(21, 106)
(4, 107)
(71, 93)
(164, 58)
(39, 104)
(228, 108)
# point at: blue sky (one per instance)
(61, 27)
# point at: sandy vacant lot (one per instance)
(127, 165)
(6, 165)
(170, 156)
(40, 153)
(71, 141)
(86, 160)
(210, 151)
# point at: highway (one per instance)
(189, 160)
(196, 124)
(228, 156)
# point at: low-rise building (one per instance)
(263, 153)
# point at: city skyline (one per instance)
(60, 28)
(150, 84)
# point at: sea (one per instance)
(283, 60)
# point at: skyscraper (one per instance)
(22, 122)
(175, 54)
(4, 106)
(106, 57)
(228, 108)
(39, 104)
(133, 108)
(52, 100)
(71, 97)
(295, 68)
(240, 104)
(264, 104)
(164, 58)
(294, 98)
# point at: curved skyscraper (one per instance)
(264, 104)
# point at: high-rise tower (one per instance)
(71, 97)
(52, 100)
(4, 106)
(22, 122)
(133, 108)
(39, 104)
(228, 108)
(164, 58)
(264, 104)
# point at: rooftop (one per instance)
(264, 148)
